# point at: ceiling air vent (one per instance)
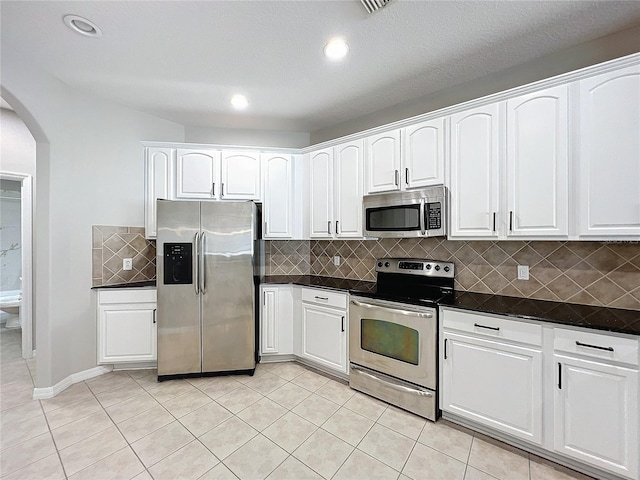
(373, 5)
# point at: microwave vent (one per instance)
(374, 5)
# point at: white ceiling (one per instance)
(182, 60)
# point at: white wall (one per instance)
(249, 138)
(597, 51)
(18, 147)
(90, 171)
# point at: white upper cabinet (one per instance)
(158, 184)
(336, 191)
(537, 164)
(278, 195)
(197, 173)
(423, 154)
(609, 149)
(321, 193)
(348, 167)
(474, 174)
(383, 162)
(240, 175)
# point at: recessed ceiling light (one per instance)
(239, 102)
(336, 49)
(82, 26)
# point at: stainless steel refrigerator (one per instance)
(207, 254)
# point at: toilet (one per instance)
(10, 302)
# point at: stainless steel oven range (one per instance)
(393, 333)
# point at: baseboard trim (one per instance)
(50, 392)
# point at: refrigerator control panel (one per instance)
(178, 264)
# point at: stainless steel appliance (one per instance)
(415, 213)
(206, 255)
(393, 333)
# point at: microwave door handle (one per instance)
(423, 229)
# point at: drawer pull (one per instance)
(321, 298)
(485, 326)
(580, 344)
(154, 315)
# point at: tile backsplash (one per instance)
(592, 273)
(112, 244)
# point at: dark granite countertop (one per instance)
(344, 284)
(586, 316)
(148, 283)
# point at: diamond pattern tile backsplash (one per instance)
(592, 273)
(111, 245)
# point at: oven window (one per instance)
(390, 340)
(402, 218)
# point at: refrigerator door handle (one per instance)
(196, 283)
(203, 260)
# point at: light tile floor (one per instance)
(285, 422)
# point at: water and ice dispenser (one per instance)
(178, 264)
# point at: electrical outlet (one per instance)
(523, 272)
(127, 263)
(336, 261)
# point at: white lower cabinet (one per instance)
(127, 326)
(491, 380)
(324, 339)
(514, 376)
(276, 320)
(596, 404)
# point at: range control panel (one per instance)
(416, 266)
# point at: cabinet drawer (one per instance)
(596, 345)
(324, 297)
(128, 295)
(492, 326)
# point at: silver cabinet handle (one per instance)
(487, 327)
(154, 315)
(397, 174)
(321, 298)
(337, 231)
(406, 176)
(511, 221)
(222, 189)
(393, 310)
(342, 324)
(329, 227)
(264, 298)
(395, 386)
(494, 221)
(213, 189)
(196, 247)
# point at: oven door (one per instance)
(396, 339)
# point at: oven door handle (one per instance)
(395, 386)
(423, 227)
(393, 310)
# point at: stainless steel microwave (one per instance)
(414, 213)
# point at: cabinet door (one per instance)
(493, 383)
(475, 177)
(538, 163)
(157, 185)
(423, 154)
(348, 165)
(269, 321)
(240, 176)
(383, 162)
(197, 173)
(596, 414)
(277, 205)
(324, 337)
(127, 333)
(609, 166)
(321, 208)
